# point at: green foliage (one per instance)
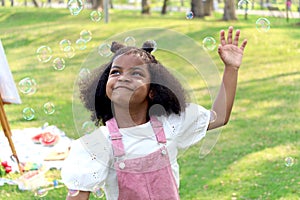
(248, 160)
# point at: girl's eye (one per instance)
(136, 73)
(114, 72)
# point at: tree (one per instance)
(208, 7)
(197, 8)
(229, 11)
(164, 7)
(146, 7)
(97, 4)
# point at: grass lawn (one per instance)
(248, 161)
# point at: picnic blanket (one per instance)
(29, 151)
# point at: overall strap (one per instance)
(158, 129)
(116, 137)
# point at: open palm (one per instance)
(229, 52)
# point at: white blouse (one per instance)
(89, 164)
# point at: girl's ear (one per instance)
(151, 94)
(115, 46)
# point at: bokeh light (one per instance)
(104, 50)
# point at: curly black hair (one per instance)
(166, 89)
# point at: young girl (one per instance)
(143, 120)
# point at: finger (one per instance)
(229, 37)
(222, 37)
(243, 45)
(236, 38)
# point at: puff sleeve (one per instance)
(88, 162)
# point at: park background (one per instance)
(249, 158)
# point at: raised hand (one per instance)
(229, 52)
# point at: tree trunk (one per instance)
(164, 7)
(146, 7)
(197, 8)
(35, 3)
(97, 4)
(229, 11)
(208, 7)
(3, 2)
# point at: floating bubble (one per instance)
(41, 193)
(59, 64)
(44, 53)
(209, 43)
(130, 41)
(96, 16)
(154, 45)
(84, 72)
(86, 35)
(28, 86)
(49, 108)
(65, 44)
(28, 113)
(88, 127)
(262, 24)
(104, 50)
(81, 44)
(289, 161)
(69, 52)
(244, 5)
(73, 193)
(75, 6)
(98, 192)
(189, 15)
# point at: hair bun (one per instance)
(115, 46)
(149, 46)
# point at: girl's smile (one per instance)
(128, 81)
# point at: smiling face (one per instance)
(128, 81)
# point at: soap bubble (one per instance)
(69, 52)
(98, 192)
(65, 44)
(59, 64)
(262, 24)
(244, 5)
(209, 43)
(44, 53)
(88, 127)
(130, 41)
(75, 6)
(104, 50)
(289, 161)
(49, 108)
(81, 44)
(86, 35)
(96, 16)
(28, 86)
(28, 113)
(189, 15)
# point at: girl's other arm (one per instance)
(231, 55)
(82, 195)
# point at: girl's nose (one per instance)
(124, 77)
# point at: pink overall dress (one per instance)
(143, 178)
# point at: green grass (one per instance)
(248, 159)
